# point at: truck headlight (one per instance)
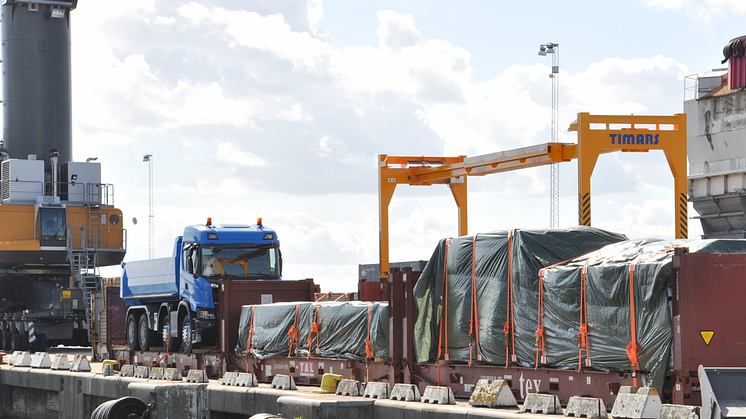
(204, 314)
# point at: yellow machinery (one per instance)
(597, 134)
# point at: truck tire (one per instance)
(143, 332)
(131, 331)
(187, 344)
(170, 344)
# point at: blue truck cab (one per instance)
(173, 302)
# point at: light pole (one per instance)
(151, 228)
(544, 49)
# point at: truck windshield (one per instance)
(251, 262)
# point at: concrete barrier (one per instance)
(438, 395)
(637, 403)
(492, 394)
(80, 364)
(107, 370)
(246, 379)
(548, 404)
(172, 374)
(586, 407)
(127, 371)
(229, 379)
(197, 376)
(22, 359)
(405, 393)
(672, 411)
(142, 372)
(41, 360)
(157, 373)
(283, 382)
(349, 388)
(61, 362)
(376, 390)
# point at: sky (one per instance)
(279, 108)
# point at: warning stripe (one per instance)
(683, 228)
(584, 209)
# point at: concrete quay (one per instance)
(43, 393)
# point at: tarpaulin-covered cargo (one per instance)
(480, 275)
(327, 330)
(588, 315)
(577, 313)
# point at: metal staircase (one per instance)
(83, 243)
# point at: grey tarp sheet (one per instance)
(494, 257)
(342, 329)
(607, 285)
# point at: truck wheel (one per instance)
(170, 344)
(187, 344)
(144, 332)
(132, 332)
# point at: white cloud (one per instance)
(396, 31)
(649, 219)
(226, 153)
(701, 10)
(252, 30)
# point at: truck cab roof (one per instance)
(230, 234)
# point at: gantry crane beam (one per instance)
(597, 134)
(451, 171)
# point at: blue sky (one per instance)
(278, 109)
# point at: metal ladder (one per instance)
(84, 265)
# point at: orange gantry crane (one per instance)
(597, 134)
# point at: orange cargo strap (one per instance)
(583, 332)
(368, 347)
(293, 334)
(248, 342)
(322, 297)
(540, 327)
(474, 320)
(509, 327)
(444, 313)
(314, 329)
(632, 347)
